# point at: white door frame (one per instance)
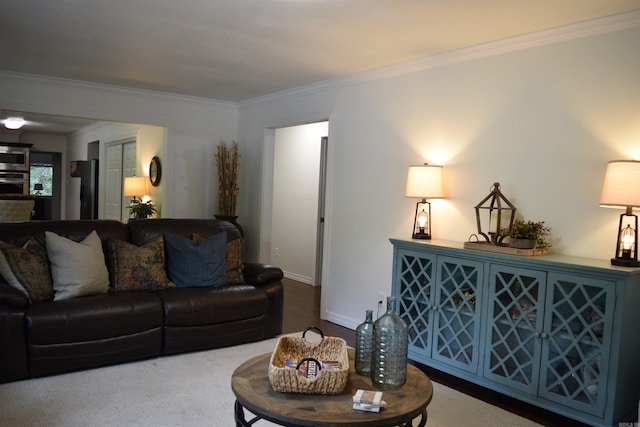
(267, 198)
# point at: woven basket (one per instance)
(288, 380)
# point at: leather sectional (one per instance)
(55, 336)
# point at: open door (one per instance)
(321, 210)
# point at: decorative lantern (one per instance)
(499, 212)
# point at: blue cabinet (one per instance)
(558, 332)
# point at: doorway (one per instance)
(297, 211)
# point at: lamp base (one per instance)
(625, 262)
(423, 236)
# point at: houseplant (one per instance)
(528, 234)
(140, 209)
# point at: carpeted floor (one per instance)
(186, 390)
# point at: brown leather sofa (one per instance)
(52, 337)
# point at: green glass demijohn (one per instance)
(364, 344)
(390, 346)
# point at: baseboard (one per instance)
(297, 277)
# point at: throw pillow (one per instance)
(233, 259)
(27, 269)
(77, 268)
(196, 263)
(138, 268)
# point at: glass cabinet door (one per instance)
(414, 281)
(513, 339)
(575, 349)
(457, 312)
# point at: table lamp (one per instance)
(621, 189)
(424, 181)
(135, 186)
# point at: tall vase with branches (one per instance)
(227, 160)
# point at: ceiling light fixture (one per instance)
(14, 123)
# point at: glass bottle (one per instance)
(364, 344)
(390, 346)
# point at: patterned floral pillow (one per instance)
(27, 269)
(137, 268)
(233, 259)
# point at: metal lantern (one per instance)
(627, 246)
(500, 213)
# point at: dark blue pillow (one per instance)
(192, 264)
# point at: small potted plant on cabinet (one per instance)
(139, 209)
(528, 235)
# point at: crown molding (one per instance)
(38, 78)
(578, 30)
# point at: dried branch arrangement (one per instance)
(227, 160)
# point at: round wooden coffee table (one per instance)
(250, 384)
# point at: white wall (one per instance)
(295, 199)
(194, 127)
(542, 121)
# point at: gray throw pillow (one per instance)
(196, 263)
(77, 268)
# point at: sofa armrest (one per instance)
(10, 296)
(259, 274)
(269, 279)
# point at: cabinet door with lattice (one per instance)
(457, 312)
(414, 280)
(575, 352)
(514, 325)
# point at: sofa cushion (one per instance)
(138, 268)
(27, 269)
(196, 263)
(233, 257)
(97, 317)
(77, 268)
(206, 306)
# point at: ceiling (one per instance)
(234, 50)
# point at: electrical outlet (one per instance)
(277, 252)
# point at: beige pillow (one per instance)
(77, 268)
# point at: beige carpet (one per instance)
(185, 390)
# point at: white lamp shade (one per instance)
(425, 181)
(621, 186)
(136, 186)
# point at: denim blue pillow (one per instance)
(196, 264)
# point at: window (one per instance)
(41, 175)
